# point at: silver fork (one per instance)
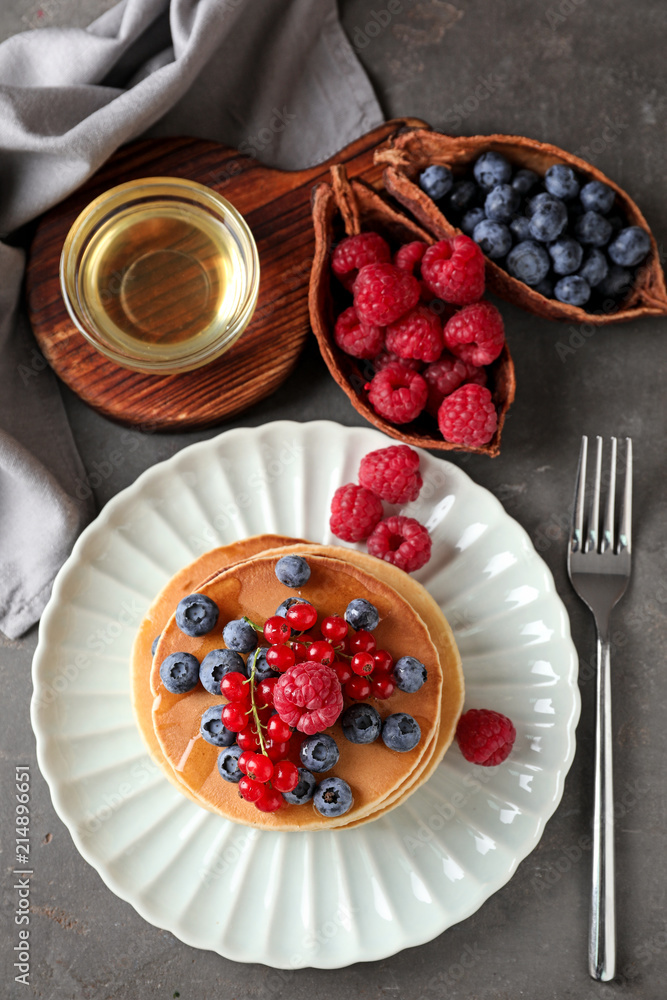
(598, 564)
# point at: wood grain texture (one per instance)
(276, 205)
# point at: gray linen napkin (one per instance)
(278, 80)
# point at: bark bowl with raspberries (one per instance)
(347, 208)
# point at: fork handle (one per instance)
(602, 938)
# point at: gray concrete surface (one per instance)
(563, 71)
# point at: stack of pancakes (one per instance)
(241, 579)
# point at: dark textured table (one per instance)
(589, 77)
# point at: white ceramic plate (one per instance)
(324, 899)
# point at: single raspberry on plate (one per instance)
(476, 333)
(445, 375)
(361, 340)
(392, 473)
(409, 255)
(309, 697)
(485, 737)
(387, 358)
(397, 393)
(354, 252)
(454, 270)
(401, 541)
(354, 512)
(383, 293)
(468, 416)
(418, 334)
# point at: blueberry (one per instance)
(548, 219)
(262, 670)
(196, 615)
(293, 571)
(545, 287)
(492, 169)
(494, 238)
(593, 229)
(529, 262)
(216, 664)
(361, 723)
(566, 255)
(319, 752)
(524, 180)
(617, 283)
(595, 267)
(333, 797)
(360, 613)
(284, 607)
(537, 200)
(630, 247)
(463, 196)
(304, 789)
(472, 217)
(573, 290)
(228, 767)
(409, 674)
(436, 181)
(502, 203)
(179, 672)
(561, 181)
(520, 228)
(154, 644)
(401, 732)
(213, 729)
(239, 635)
(597, 197)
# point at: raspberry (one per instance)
(361, 340)
(485, 737)
(409, 255)
(454, 270)
(383, 293)
(468, 416)
(309, 697)
(386, 358)
(397, 393)
(354, 512)
(476, 334)
(418, 334)
(392, 473)
(355, 252)
(401, 541)
(446, 375)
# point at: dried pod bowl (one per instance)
(414, 149)
(345, 208)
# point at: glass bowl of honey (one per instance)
(160, 274)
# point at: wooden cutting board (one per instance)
(276, 206)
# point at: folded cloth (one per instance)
(277, 80)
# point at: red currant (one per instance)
(362, 664)
(383, 686)
(264, 691)
(358, 688)
(247, 738)
(250, 790)
(259, 767)
(300, 650)
(334, 628)
(301, 616)
(244, 760)
(384, 661)
(269, 800)
(280, 658)
(278, 730)
(276, 629)
(285, 776)
(362, 642)
(234, 717)
(275, 751)
(343, 671)
(234, 686)
(321, 652)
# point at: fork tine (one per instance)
(577, 540)
(607, 539)
(594, 519)
(625, 531)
